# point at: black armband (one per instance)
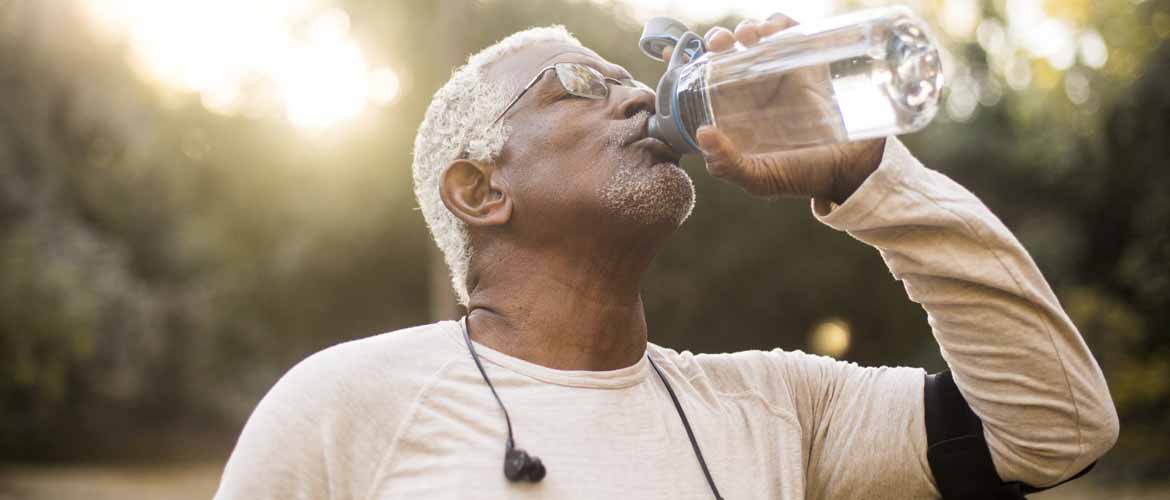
(957, 451)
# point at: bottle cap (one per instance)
(659, 33)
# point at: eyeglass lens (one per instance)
(581, 80)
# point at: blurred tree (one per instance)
(1123, 303)
(81, 318)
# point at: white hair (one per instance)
(457, 126)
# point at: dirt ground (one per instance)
(198, 482)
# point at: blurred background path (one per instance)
(110, 482)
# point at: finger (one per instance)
(666, 52)
(747, 32)
(775, 23)
(719, 39)
(723, 159)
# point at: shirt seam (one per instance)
(780, 413)
(559, 383)
(411, 413)
(564, 383)
(749, 393)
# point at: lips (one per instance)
(660, 151)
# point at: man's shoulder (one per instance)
(749, 370)
(342, 405)
(395, 349)
(749, 360)
(389, 367)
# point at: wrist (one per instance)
(855, 168)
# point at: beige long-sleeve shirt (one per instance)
(406, 414)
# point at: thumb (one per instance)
(723, 159)
(756, 174)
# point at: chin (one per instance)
(659, 195)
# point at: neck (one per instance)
(579, 312)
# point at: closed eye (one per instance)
(551, 93)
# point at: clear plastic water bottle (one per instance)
(867, 74)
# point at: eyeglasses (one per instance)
(578, 80)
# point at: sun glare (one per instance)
(234, 54)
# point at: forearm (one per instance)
(1017, 358)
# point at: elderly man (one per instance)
(537, 179)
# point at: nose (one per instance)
(633, 101)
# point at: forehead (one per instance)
(516, 69)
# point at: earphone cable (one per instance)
(670, 390)
(475, 357)
(687, 425)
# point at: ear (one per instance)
(476, 193)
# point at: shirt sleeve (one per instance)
(1015, 355)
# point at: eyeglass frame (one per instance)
(540, 74)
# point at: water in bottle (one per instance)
(868, 74)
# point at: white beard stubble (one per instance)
(642, 193)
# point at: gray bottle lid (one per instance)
(660, 33)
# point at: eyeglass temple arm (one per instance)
(521, 94)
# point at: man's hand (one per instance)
(827, 172)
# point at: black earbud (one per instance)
(520, 466)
